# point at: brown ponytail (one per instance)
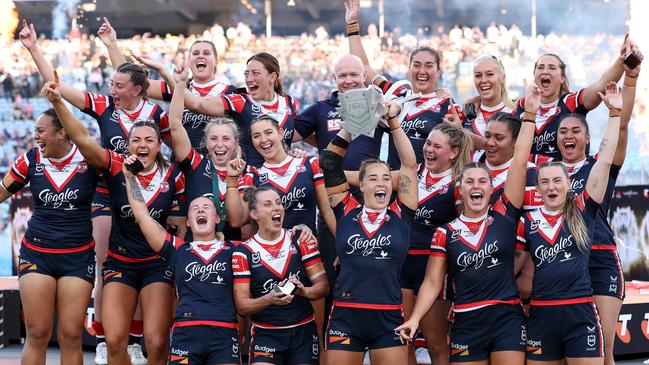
(571, 213)
(271, 64)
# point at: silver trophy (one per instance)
(360, 110)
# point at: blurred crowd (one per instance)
(306, 64)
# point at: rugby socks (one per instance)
(99, 332)
(135, 333)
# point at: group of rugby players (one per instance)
(486, 225)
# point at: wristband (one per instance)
(394, 129)
(614, 114)
(339, 141)
(630, 81)
(392, 116)
(232, 182)
(353, 29)
(526, 120)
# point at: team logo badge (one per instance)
(263, 178)
(40, 167)
(164, 186)
(590, 340)
(256, 258)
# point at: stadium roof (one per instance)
(192, 16)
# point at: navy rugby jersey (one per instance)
(159, 188)
(115, 124)
(244, 109)
(480, 253)
(63, 190)
(560, 268)
(531, 200)
(372, 246)
(547, 121)
(197, 169)
(323, 119)
(437, 196)
(579, 172)
(295, 180)
(265, 263)
(203, 277)
(194, 123)
(417, 118)
(478, 126)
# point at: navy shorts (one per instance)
(327, 248)
(79, 264)
(101, 203)
(413, 272)
(559, 331)
(477, 333)
(359, 329)
(204, 345)
(285, 346)
(136, 274)
(605, 272)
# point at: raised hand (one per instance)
(352, 11)
(181, 74)
(236, 167)
(149, 62)
(27, 36)
(532, 97)
(612, 96)
(51, 89)
(107, 33)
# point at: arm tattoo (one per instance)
(136, 194)
(603, 144)
(595, 182)
(404, 184)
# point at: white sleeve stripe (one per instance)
(240, 273)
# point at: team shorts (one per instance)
(605, 271)
(359, 329)
(101, 203)
(80, 264)
(136, 274)
(204, 345)
(285, 346)
(568, 330)
(413, 272)
(476, 334)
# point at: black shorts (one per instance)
(204, 345)
(101, 203)
(79, 264)
(359, 329)
(605, 271)
(413, 272)
(477, 333)
(136, 274)
(285, 346)
(568, 330)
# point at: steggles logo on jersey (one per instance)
(577, 184)
(203, 272)
(412, 125)
(477, 259)
(127, 212)
(270, 283)
(549, 254)
(195, 119)
(56, 200)
(294, 195)
(544, 139)
(423, 213)
(119, 144)
(367, 246)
